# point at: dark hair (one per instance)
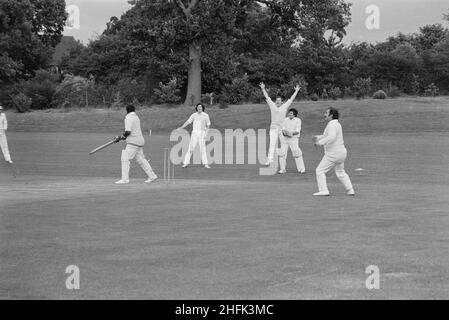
(200, 104)
(334, 112)
(295, 112)
(280, 97)
(130, 108)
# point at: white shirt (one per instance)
(278, 113)
(200, 121)
(292, 125)
(332, 138)
(3, 122)
(132, 124)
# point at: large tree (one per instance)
(198, 32)
(29, 29)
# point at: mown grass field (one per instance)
(228, 233)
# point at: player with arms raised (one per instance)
(278, 112)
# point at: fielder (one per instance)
(3, 140)
(278, 111)
(201, 124)
(334, 154)
(291, 131)
(134, 147)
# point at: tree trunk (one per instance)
(194, 81)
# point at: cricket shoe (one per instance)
(185, 165)
(268, 162)
(282, 171)
(122, 182)
(207, 166)
(9, 161)
(151, 180)
(302, 172)
(351, 192)
(321, 194)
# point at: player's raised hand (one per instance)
(297, 88)
(262, 85)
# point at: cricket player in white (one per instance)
(201, 124)
(278, 112)
(134, 147)
(291, 131)
(3, 140)
(334, 154)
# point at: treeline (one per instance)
(143, 57)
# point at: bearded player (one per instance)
(278, 112)
(334, 154)
(134, 147)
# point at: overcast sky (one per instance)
(394, 16)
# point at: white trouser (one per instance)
(337, 162)
(4, 145)
(275, 133)
(293, 144)
(197, 137)
(129, 154)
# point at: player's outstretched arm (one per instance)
(297, 88)
(264, 91)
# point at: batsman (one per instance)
(134, 147)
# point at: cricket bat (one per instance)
(102, 147)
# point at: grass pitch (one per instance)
(228, 233)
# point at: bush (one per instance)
(324, 95)
(287, 90)
(134, 89)
(222, 104)
(256, 95)
(393, 91)
(348, 92)
(362, 87)
(380, 94)
(238, 91)
(208, 99)
(168, 93)
(118, 101)
(314, 97)
(431, 90)
(41, 89)
(22, 102)
(335, 93)
(73, 91)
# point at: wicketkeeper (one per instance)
(134, 147)
(291, 131)
(3, 140)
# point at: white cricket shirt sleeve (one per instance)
(191, 118)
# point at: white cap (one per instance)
(1, 108)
